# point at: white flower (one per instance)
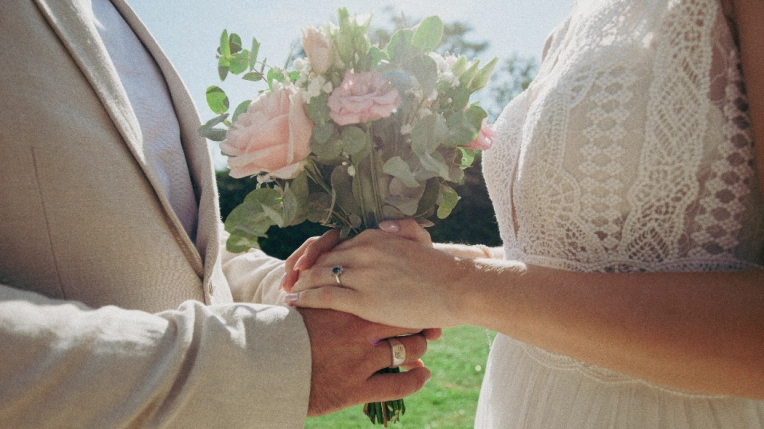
(433, 96)
(314, 87)
(406, 129)
(351, 171)
(440, 62)
(327, 88)
(299, 63)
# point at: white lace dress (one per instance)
(630, 151)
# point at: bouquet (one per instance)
(351, 134)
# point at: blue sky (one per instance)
(189, 30)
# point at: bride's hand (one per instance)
(306, 255)
(385, 279)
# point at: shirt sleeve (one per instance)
(67, 365)
(253, 276)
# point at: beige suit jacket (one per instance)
(110, 316)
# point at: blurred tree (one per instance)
(473, 220)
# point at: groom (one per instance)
(119, 307)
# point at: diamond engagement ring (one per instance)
(336, 271)
(398, 352)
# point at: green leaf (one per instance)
(253, 53)
(342, 186)
(295, 200)
(319, 207)
(428, 34)
(464, 126)
(241, 108)
(435, 163)
(330, 149)
(253, 76)
(399, 48)
(468, 157)
(214, 134)
(482, 76)
(239, 62)
(397, 167)
(225, 47)
(354, 140)
(426, 71)
(428, 134)
(294, 75)
(217, 99)
(318, 109)
(449, 198)
(223, 65)
(276, 75)
(322, 132)
(460, 66)
(466, 78)
(234, 41)
(429, 197)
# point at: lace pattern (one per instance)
(632, 149)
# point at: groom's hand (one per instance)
(348, 351)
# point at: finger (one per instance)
(432, 334)
(409, 366)
(318, 247)
(408, 229)
(295, 256)
(328, 296)
(415, 347)
(290, 278)
(392, 386)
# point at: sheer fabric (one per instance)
(631, 151)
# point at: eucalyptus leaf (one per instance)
(253, 53)
(426, 71)
(429, 197)
(330, 149)
(399, 48)
(225, 47)
(239, 62)
(342, 186)
(434, 162)
(355, 221)
(240, 243)
(449, 200)
(318, 110)
(322, 132)
(291, 207)
(428, 34)
(217, 99)
(253, 76)
(214, 134)
(397, 167)
(319, 207)
(234, 42)
(241, 108)
(223, 65)
(354, 140)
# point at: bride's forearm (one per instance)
(701, 332)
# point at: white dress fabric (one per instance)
(630, 151)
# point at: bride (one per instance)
(629, 292)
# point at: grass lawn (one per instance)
(457, 362)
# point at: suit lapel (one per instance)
(72, 21)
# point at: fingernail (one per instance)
(389, 226)
(427, 380)
(298, 264)
(291, 298)
(282, 282)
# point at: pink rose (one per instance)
(485, 137)
(363, 97)
(272, 136)
(320, 49)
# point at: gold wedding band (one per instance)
(398, 352)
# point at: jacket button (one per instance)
(209, 288)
